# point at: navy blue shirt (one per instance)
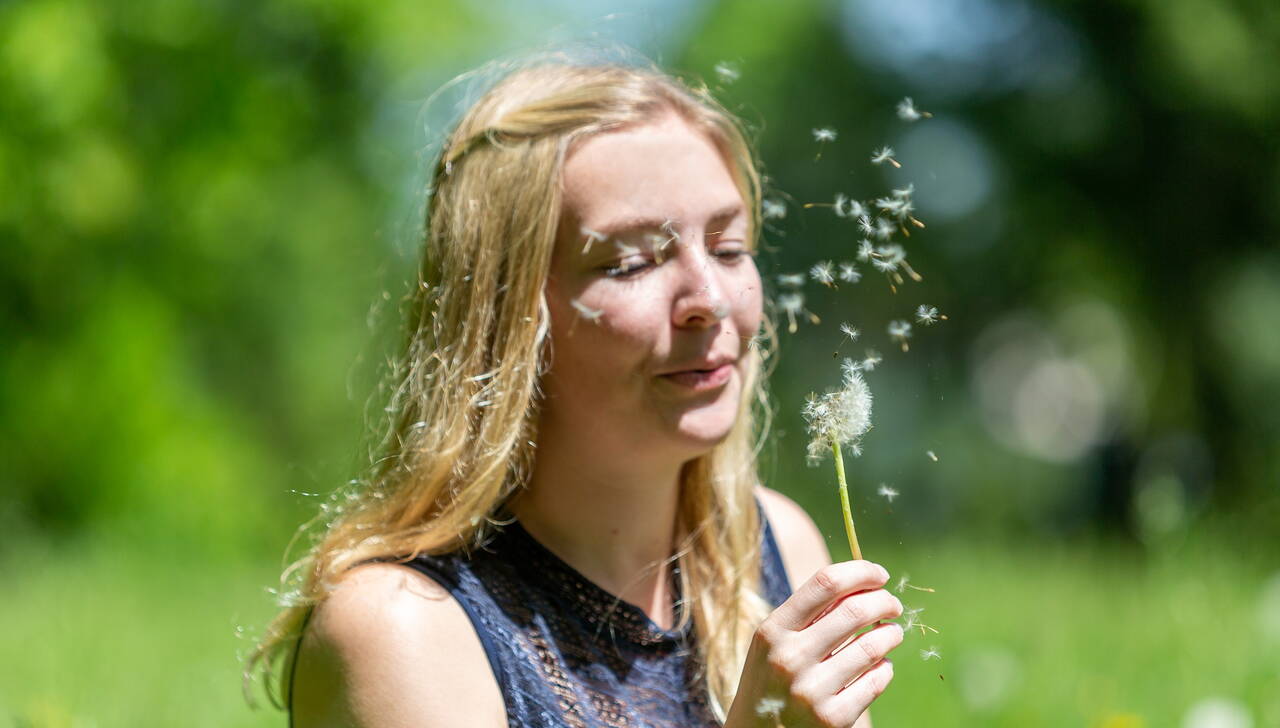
(566, 652)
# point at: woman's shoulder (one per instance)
(803, 547)
(388, 644)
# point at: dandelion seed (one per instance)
(892, 252)
(773, 210)
(849, 273)
(932, 456)
(884, 265)
(888, 493)
(841, 205)
(625, 250)
(840, 417)
(791, 280)
(727, 72)
(907, 111)
(884, 229)
(791, 304)
(850, 331)
(900, 331)
(865, 250)
(770, 707)
(899, 207)
(864, 224)
(669, 227)
(904, 583)
(586, 311)
(824, 135)
(592, 237)
(884, 154)
(910, 617)
(930, 654)
(927, 315)
(870, 361)
(823, 273)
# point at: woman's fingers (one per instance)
(829, 584)
(846, 706)
(857, 657)
(847, 617)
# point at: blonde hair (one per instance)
(466, 389)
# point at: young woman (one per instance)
(567, 528)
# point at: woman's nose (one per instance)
(700, 297)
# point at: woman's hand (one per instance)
(792, 677)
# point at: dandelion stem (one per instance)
(844, 502)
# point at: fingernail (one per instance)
(884, 573)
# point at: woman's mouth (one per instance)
(701, 380)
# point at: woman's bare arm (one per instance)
(391, 648)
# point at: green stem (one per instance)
(844, 503)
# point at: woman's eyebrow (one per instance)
(637, 223)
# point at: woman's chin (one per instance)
(704, 428)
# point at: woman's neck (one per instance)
(610, 523)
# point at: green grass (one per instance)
(102, 635)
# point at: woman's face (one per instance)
(653, 292)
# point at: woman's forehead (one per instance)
(648, 174)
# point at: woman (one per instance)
(566, 526)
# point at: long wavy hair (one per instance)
(464, 394)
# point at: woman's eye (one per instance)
(731, 254)
(626, 268)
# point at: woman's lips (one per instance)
(701, 380)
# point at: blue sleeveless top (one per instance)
(566, 652)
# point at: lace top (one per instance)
(566, 652)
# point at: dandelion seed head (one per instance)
(823, 272)
(850, 331)
(926, 315)
(864, 223)
(849, 273)
(884, 229)
(824, 134)
(888, 493)
(930, 654)
(728, 72)
(899, 329)
(842, 416)
(773, 210)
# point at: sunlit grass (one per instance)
(102, 635)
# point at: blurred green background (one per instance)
(208, 210)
